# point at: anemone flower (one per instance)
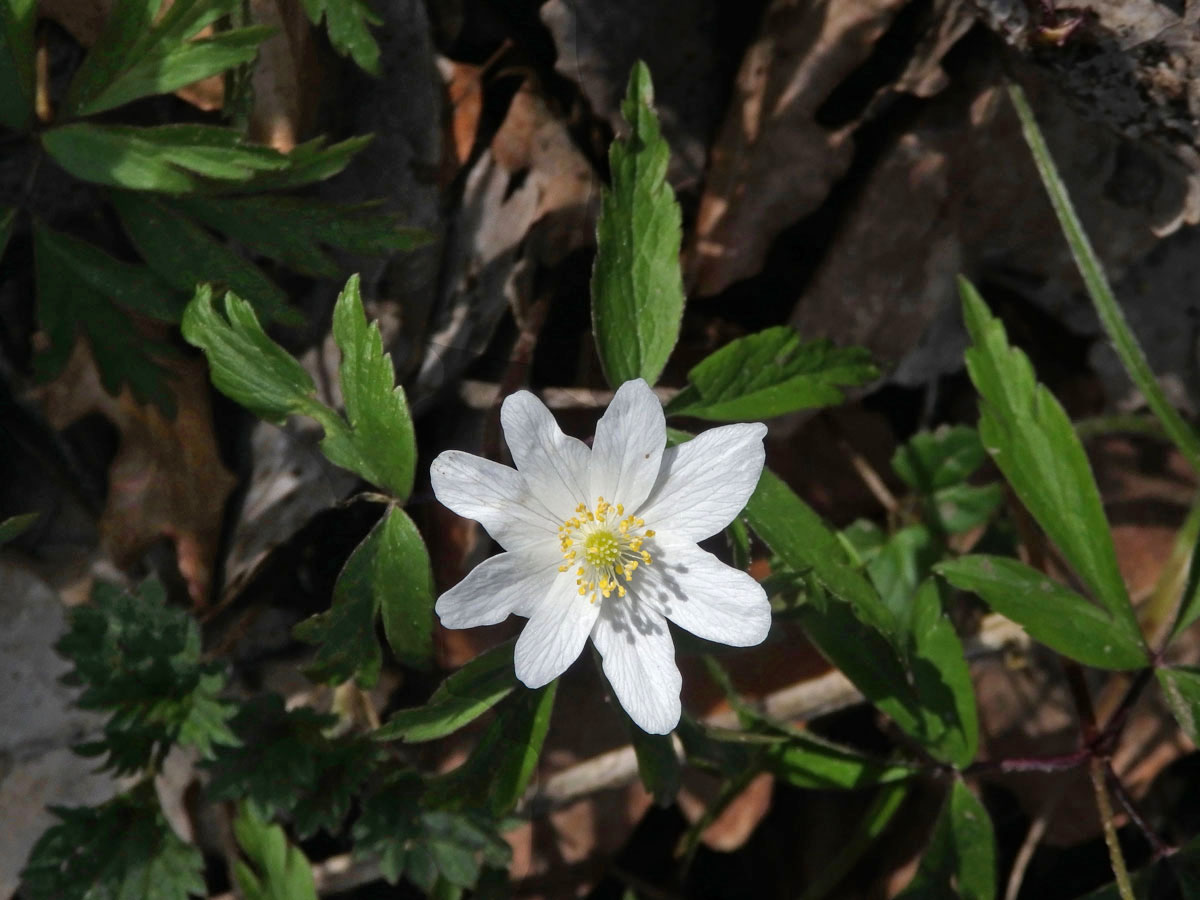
(601, 542)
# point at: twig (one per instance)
(1033, 837)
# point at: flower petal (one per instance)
(639, 662)
(698, 592)
(495, 496)
(554, 465)
(702, 485)
(630, 437)
(556, 633)
(504, 584)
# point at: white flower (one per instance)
(601, 543)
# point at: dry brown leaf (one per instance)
(286, 75)
(772, 162)
(167, 479)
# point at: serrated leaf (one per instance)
(1107, 309)
(769, 374)
(1181, 687)
(17, 20)
(498, 770)
(1051, 613)
(15, 526)
(932, 460)
(637, 288)
(288, 766)
(141, 662)
(961, 858)
(185, 255)
(347, 21)
(280, 870)
(121, 850)
(388, 571)
(462, 698)
(169, 159)
(136, 56)
(379, 444)
(425, 844)
(293, 230)
(77, 285)
(308, 163)
(1030, 437)
(899, 565)
(244, 363)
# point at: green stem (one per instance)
(1111, 317)
(1104, 806)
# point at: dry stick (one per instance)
(1037, 829)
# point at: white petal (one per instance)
(556, 633)
(495, 496)
(698, 592)
(554, 465)
(630, 437)
(639, 662)
(504, 584)
(705, 483)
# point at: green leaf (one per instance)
(809, 761)
(960, 861)
(141, 662)
(121, 850)
(347, 21)
(961, 507)
(1098, 288)
(425, 844)
(887, 802)
(796, 534)
(280, 870)
(77, 285)
(245, 364)
(185, 255)
(1189, 603)
(872, 661)
(1050, 612)
(898, 565)
(379, 444)
(942, 679)
(498, 770)
(1029, 436)
(293, 230)
(388, 571)
(17, 78)
(14, 526)
(403, 582)
(136, 56)
(169, 159)
(462, 698)
(658, 765)
(637, 288)
(309, 162)
(932, 460)
(1181, 686)
(287, 765)
(769, 374)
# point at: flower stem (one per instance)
(1098, 770)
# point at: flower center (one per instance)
(602, 544)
